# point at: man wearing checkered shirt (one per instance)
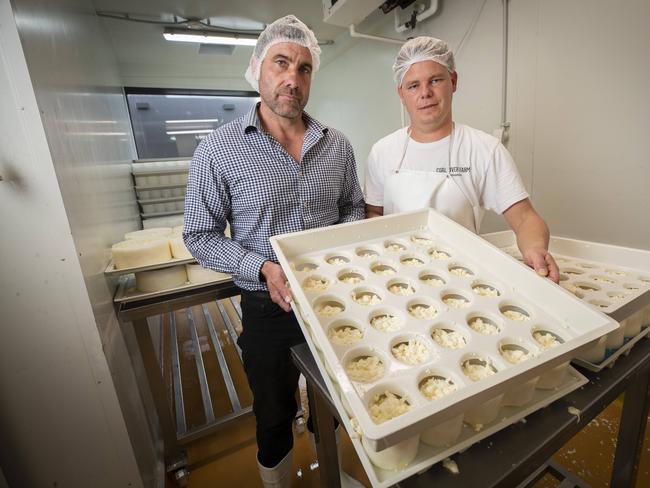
(272, 171)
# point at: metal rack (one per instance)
(170, 402)
(143, 203)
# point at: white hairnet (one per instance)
(285, 29)
(422, 49)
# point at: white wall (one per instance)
(61, 422)
(68, 357)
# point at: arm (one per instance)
(373, 211)
(351, 199)
(207, 208)
(532, 238)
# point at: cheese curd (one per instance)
(351, 278)
(462, 272)
(515, 356)
(450, 339)
(432, 280)
(477, 371)
(365, 369)
(515, 315)
(485, 291)
(436, 254)
(366, 298)
(412, 262)
(483, 326)
(387, 406)
(436, 387)
(313, 283)
(422, 311)
(455, 302)
(546, 339)
(386, 323)
(411, 352)
(329, 309)
(401, 289)
(337, 260)
(383, 270)
(395, 247)
(344, 335)
(421, 241)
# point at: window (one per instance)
(171, 123)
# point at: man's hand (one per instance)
(543, 263)
(276, 281)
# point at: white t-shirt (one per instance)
(479, 163)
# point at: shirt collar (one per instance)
(252, 121)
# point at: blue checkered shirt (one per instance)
(240, 174)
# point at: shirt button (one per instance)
(306, 205)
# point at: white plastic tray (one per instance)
(549, 307)
(112, 271)
(582, 262)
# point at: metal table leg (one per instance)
(325, 437)
(173, 451)
(631, 431)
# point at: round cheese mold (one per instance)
(178, 248)
(351, 276)
(455, 300)
(573, 288)
(514, 353)
(586, 286)
(140, 252)
(431, 279)
(364, 367)
(572, 271)
(410, 350)
(513, 312)
(433, 387)
(563, 277)
(387, 405)
(600, 303)
(382, 269)
(198, 274)
(366, 296)
(617, 295)
(386, 321)
(631, 286)
(603, 279)
(459, 270)
(485, 290)
(395, 246)
(366, 253)
(421, 309)
(448, 338)
(401, 287)
(329, 306)
(344, 333)
(483, 325)
(421, 239)
(337, 259)
(305, 266)
(315, 284)
(546, 339)
(412, 260)
(615, 272)
(477, 368)
(436, 253)
(586, 265)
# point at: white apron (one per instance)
(407, 189)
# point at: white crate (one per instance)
(548, 306)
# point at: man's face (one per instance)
(285, 79)
(426, 92)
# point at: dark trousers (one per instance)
(268, 334)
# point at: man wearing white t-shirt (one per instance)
(453, 168)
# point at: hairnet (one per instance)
(422, 49)
(285, 29)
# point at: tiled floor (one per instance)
(227, 458)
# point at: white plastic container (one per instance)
(408, 244)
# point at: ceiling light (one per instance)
(204, 37)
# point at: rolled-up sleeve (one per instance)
(207, 210)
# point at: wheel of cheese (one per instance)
(179, 251)
(140, 252)
(160, 279)
(177, 230)
(153, 233)
(198, 274)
